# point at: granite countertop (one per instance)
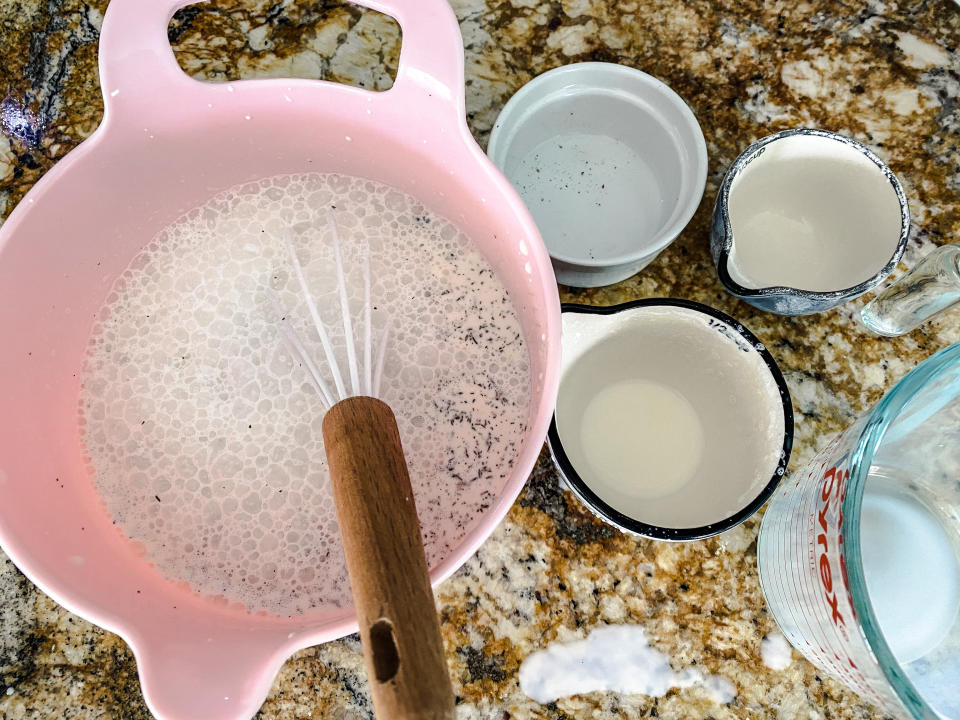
(886, 73)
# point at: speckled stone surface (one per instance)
(885, 73)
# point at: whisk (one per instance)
(399, 629)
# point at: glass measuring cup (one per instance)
(929, 288)
(859, 552)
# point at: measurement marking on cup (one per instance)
(793, 527)
(837, 630)
(834, 484)
(827, 636)
(802, 526)
(789, 524)
(810, 513)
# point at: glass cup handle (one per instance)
(922, 292)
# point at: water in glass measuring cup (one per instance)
(859, 553)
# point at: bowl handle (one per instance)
(431, 51)
(138, 70)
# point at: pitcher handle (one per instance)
(139, 71)
(928, 289)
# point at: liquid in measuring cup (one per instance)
(910, 563)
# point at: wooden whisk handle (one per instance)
(399, 628)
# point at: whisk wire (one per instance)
(314, 313)
(299, 354)
(294, 343)
(381, 355)
(344, 307)
(372, 371)
(367, 323)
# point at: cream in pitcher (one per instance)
(805, 220)
(809, 215)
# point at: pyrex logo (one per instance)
(833, 490)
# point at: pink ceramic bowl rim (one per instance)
(133, 38)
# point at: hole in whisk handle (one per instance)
(383, 647)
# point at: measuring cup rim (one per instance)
(871, 436)
(828, 298)
(630, 525)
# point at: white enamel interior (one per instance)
(610, 162)
(723, 378)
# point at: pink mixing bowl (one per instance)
(167, 143)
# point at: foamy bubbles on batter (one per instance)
(204, 436)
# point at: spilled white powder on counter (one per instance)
(720, 689)
(615, 658)
(775, 651)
